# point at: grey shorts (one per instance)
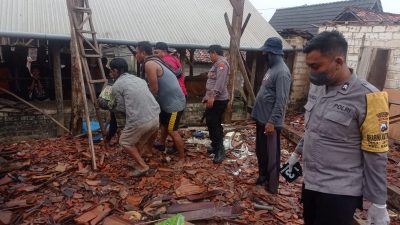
(139, 135)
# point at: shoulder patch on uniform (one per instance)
(375, 128)
(221, 66)
(369, 86)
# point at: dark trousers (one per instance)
(214, 117)
(268, 156)
(329, 209)
(113, 127)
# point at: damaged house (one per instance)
(40, 30)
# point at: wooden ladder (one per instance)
(83, 37)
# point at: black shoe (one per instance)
(219, 154)
(261, 180)
(171, 150)
(210, 150)
(159, 147)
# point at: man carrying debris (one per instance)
(135, 101)
(217, 98)
(345, 144)
(269, 113)
(165, 87)
(161, 51)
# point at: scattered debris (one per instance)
(50, 181)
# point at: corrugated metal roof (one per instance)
(176, 22)
(308, 17)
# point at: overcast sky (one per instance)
(267, 7)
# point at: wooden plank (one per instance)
(177, 208)
(205, 214)
(363, 65)
(373, 66)
(393, 199)
(115, 220)
(204, 195)
(291, 134)
(378, 72)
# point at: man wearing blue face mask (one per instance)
(269, 113)
(345, 143)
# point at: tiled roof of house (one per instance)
(366, 15)
(309, 17)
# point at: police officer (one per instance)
(217, 99)
(345, 144)
(269, 113)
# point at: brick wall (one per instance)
(301, 84)
(380, 36)
(16, 126)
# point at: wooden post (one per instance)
(191, 60)
(182, 57)
(237, 17)
(76, 95)
(253, 73)
(79, 66)
(55, 53)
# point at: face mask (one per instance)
(320, 79)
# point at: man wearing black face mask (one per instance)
(345, 143)
(269, 113)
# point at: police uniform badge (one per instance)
(345, 86)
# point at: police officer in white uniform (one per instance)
(345, 144)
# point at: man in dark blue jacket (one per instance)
(269, 113)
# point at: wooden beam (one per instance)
(245, 75)
(235, 34)
(81, 84)
(393, 193)
(55, 53)
(245, 23)
(76, 94)
(177, 208)
(191, 60)
(253, 73)
(236, 7)
(242, 66)
(182, 57)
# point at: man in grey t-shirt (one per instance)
(134, 103)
